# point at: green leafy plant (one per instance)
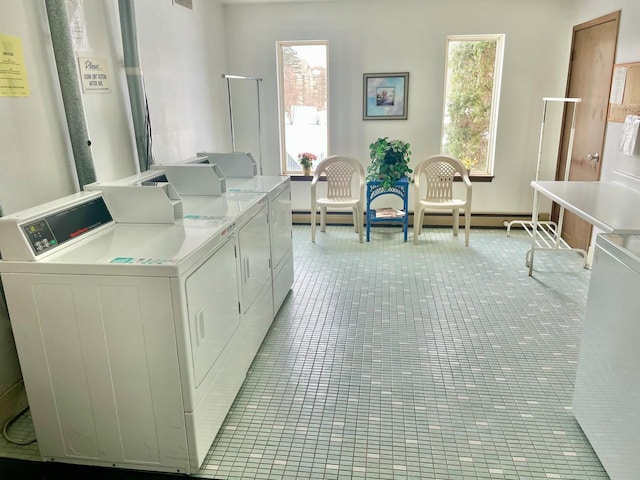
(389, 161)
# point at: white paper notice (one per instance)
(629, 137)
(617, 85)
(94, 75)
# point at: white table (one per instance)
(610, 207)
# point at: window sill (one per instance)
(298, 177)
(479, 178)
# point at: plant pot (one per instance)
(306, 171)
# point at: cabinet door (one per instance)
(212, 304)
(255, 258)
(281, 243)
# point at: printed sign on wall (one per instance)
(13, 74)
(94, 74)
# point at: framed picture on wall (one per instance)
(385, 96)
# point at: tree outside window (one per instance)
(302, 91)
(474, 66)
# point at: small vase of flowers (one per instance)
(306, 159)
(469, 164)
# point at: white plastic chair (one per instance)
(439, 171)
(339, 171)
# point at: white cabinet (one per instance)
(606, 399)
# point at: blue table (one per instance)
(401, 189)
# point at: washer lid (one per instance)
(272, 185)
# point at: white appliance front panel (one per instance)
(281, 228)
(100, 367)
(255, 256)
(606, 399)
(212, 303)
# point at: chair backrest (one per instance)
(339, 171)
(439, 171)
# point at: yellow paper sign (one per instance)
(13, 74)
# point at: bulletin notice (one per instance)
(13, 74)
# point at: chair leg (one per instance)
(467, 227)
(313, 223)
(417, 225)
(355, 219)
(456, 221)
(323, 219)
(358, 215)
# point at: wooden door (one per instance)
(593, 52)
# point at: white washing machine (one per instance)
(132, 338)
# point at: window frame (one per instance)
(499, 38)
(281, 108)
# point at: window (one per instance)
(302, 92)
(474, 70)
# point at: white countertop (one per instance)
(610, 207)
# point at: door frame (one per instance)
(613, 16)
(565, 129)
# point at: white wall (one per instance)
(108, 114)
(36, 160)
(407, 35)
(183, 57)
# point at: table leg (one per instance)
(534, 230)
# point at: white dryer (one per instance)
(131, 337)
(278, 190)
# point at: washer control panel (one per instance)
(48, 232)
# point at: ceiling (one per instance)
(238, 2)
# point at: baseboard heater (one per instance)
(478, 220)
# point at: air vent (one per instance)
(188, 4)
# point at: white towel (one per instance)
(629, 137)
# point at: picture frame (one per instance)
(386, 96)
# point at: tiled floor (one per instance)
(390, 360)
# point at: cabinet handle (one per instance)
(199, 327)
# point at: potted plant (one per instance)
(305, 159)
(389, 161)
